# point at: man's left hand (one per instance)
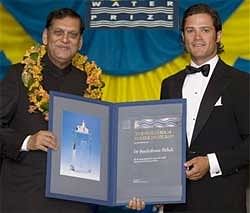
(197, 167)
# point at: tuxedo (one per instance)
(22, 183)
(221, 129)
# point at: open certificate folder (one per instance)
(109, 153)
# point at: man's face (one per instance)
(200, 37)
(63, 40)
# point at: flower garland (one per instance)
(32, 78)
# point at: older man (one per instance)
(24, 137)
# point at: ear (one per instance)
(219, 35)
(45, 37)
(80, 43)
(182, 36)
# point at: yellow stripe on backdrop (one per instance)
(142, 86)
(236, 39)
(236, 34)
(13, 38)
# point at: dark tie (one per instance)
(203, 69)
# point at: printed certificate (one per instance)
(109, 153)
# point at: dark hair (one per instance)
(204, 8)
(62, 13)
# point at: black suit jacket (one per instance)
(22, 186)
(223, 130)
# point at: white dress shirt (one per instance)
(193, 90)
(25, 144)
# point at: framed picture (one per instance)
(109, 153)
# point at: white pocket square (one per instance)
(218, 103)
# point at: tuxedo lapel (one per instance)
(219, 80)
(177, 91)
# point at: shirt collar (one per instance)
(53, 69)
(212, 62)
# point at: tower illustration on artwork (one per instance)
(81, 149)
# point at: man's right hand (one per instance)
(136, 204)
(42, 140)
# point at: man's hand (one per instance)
(42, 140)
(197, 167)
(136, 204)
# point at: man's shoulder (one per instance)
(234, 72)
(14, 71)
(239, 80)
(17, 67)
(175, 76)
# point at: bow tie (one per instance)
(204, 69)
